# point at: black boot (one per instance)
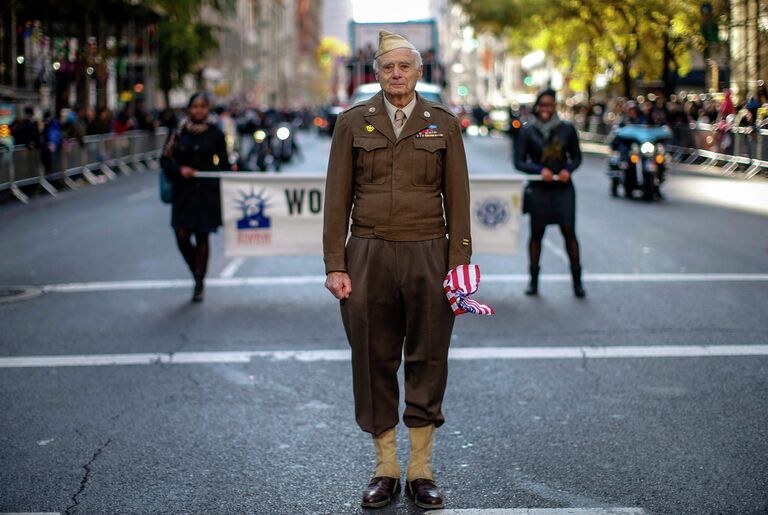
(197, 295)
(533, 284)
(578, 289)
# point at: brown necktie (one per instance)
(399, 118)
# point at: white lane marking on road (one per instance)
(318, 280)
(32, 513)
(141, 195)
(557, 251)
(456, 353)
(545, 511)
(232, 267)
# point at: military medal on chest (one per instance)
(430, 132)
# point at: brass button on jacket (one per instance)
(411, 188)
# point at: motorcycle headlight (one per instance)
(259, 135)
(283, 133)
(647, 148)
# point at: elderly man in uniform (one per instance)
(398, 168)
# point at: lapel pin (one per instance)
(369, 128)
(426, 114)
(371, 109)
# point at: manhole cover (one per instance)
(18, 293)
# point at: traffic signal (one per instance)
(709, 27)
(710, 31)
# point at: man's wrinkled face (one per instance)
(398, 72)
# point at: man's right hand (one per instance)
(339, 284)
(547, 175)
(187, 171)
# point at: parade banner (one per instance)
(274, 214)
(495, 209)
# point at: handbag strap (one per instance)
(169, 145)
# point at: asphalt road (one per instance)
(272, 433)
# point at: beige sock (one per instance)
(385, 445)
(420, 463)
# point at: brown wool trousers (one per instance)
(398, 307)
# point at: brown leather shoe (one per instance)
(425, 494)
(380, 491)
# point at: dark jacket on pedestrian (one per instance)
(560, 151)
(548, 202)
(196, 202)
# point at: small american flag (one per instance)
(459, 285)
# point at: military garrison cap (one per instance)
(389, 41)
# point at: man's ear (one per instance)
(421, 71)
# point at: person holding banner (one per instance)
(550, 147)
(398, 168)
(196, 145)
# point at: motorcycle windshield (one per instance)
(641, 133)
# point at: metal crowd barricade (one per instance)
(96, 158)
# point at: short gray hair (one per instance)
(419, 61)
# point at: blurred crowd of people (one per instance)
(656, 109)
(52, 136)
(49, 133)
(38, 131)
(703, 121)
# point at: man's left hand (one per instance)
(339, 284)
(564, 176)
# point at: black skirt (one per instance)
(196, 205)
(550, 204)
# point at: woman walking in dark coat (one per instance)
(197, 144)
(550, 147)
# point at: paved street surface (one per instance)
(648, 397)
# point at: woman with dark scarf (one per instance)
(550, 147)
(196, 145)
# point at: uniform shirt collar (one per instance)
(391, 109)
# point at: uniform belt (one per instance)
(399, 233)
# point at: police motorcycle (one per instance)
(254, 143)
(282, 144)
(638, 159)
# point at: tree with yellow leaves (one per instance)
(625, 39)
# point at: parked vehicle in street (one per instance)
(431, 92)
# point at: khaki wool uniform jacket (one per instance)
(414, 188)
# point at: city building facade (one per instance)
(77, 54)
(266, 54)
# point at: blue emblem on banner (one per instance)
(492, 212)
(253, 205)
